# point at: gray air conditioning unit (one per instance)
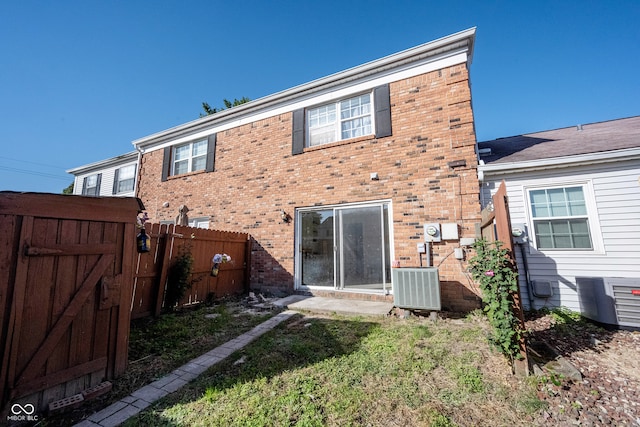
(611, 300)
(416, 288)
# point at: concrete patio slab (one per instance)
(335, 305)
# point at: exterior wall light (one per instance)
(286, 218)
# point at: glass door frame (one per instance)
(298, 258)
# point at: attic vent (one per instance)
(482, 151)
(416, 288)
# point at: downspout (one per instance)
(527, 278)
(481, 181)
(138, 169)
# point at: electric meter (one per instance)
(432, 233)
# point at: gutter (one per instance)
(113, 161)
(138, 169)
(497, 169)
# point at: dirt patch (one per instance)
(609, 391)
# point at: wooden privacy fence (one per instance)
(65, 276)
(496, 225)
(169, 241)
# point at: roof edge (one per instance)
(503, 138)
(456, 41)
(123, 158)
(558, 162)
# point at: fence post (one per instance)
(165, 251)
(247, 263)
(503, 230)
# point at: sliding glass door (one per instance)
(317, 247)
(345, 247)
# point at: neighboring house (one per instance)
(576, 194)
(335, 179)
(110, 177)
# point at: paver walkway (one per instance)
(131, 405)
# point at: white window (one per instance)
(124, 179)
(189, 157)
(199, 222)
(348, 118)
(560, 218)
(202, 222)
(91, 185)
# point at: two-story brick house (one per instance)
(335, 179)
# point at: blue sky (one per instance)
(81, 79)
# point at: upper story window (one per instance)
(366, 114)
(91, 185)
(124, 179)
(345, 119)
(189, 157)
(560, 218)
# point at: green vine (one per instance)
(179, 277)
(492, 268)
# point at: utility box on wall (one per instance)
(450, 231)
(432, 233)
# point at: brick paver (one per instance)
(120, 411)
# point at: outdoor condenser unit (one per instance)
(626, 297)
(416, 288)
(611, 300)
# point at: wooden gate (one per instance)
(167, 242)
(496, 225)
(65, 278)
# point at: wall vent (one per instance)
(416, 288)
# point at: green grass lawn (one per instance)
(344, 371)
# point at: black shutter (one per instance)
(115, 181)
(383, 111)
(211, 153)
(297, 146)
(84, 186)
(166, 163)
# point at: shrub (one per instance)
(179, 277)
(493, 269)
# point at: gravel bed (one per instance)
(609, 361)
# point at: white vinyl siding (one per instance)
(615, 226)
(108, 172)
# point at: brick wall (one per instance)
(256, 177)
